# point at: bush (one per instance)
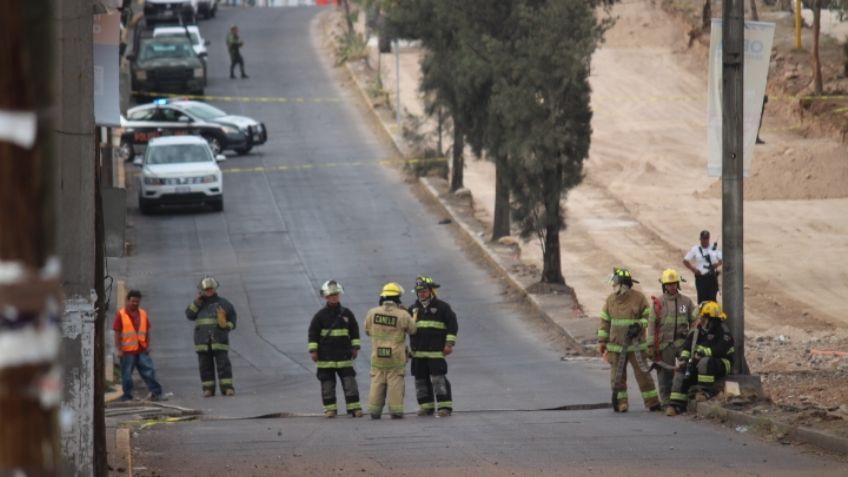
(350, 47)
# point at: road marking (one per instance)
(243, 99)
(303, 167)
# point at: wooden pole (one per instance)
(30, 293)
(798, 24)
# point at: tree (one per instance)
(542, 97)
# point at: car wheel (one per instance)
(214, 144)
(145, 205)
(218, 204)
(244, 150)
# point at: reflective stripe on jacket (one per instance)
(133, 340)
(388, 325)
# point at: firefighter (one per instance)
(435, 339)
(214, 317)
(333, 345)
(707, 355)
(388, 325)
(621, 335)
(671, 316)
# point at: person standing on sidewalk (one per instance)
(214, 317)
(388, 325)
(704, 261)
(333, 345)
(435, 339)
(234, 44)
(671, 316)
(621, 335)
(132, 340)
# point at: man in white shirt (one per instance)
(704, 261)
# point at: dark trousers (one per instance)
(208, 361)
(144, 363)
(431, 383)
(707, 286)
(236, 60)
(347, 376)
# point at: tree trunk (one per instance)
(754, 14)
(348, 17)
(707, 15)
(28, 401)
(458, 161)
(552, 265)
(501, 226)
(819, 87)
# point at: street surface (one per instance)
(335, 212)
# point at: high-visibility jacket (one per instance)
(334, 334)
(436, 325)
(134, 340)
(621, 311)
(388, 325)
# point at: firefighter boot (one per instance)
(671, 411)
(330, 413)
(622, 406)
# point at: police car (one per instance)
(166, 117)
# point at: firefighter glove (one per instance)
(221, 315)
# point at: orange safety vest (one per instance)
(131, 339)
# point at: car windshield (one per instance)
(181, 34)
(204, 111)
(154, 50)
(178, 154)
(143, 114)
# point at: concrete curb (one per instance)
(806, 435)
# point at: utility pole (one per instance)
(731, 180)
(75, 139)
(30, 292)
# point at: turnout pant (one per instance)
(144, 364)
(347, 376)
(706, 372)
(386, 382)
(208, 361)
(665, 377)
(707, 286)
(643, 378)
(431, 383)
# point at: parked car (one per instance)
(166, 65)
(198, 43)
(180, 170)
(180, 117)
(207, 8)
(169, 11)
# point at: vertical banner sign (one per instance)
(106, 69)
(758, 41)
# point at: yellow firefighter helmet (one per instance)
(712, 309)
(669, 275)
(391, 289)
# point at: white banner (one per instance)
(758, 41)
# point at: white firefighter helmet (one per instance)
(208, 282)
(331, 287)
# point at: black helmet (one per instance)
(423, 282)
(622, 276)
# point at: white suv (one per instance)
(179, 170)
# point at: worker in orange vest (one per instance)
(132, 340)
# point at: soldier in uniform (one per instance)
(434, 340)
(333, 345)
(388, 325)
(671, 316)
(214, 317)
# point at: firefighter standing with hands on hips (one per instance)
(671, 316)
(624, 320)
(214, 317)
(707, 354)
(434, 340)
(388, 325)
(333, 345)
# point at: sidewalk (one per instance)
(559, 310)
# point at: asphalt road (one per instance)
(334, 212)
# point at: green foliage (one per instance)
(350, 47)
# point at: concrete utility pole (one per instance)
(733, 55)
(76, 168)
(30, 292)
